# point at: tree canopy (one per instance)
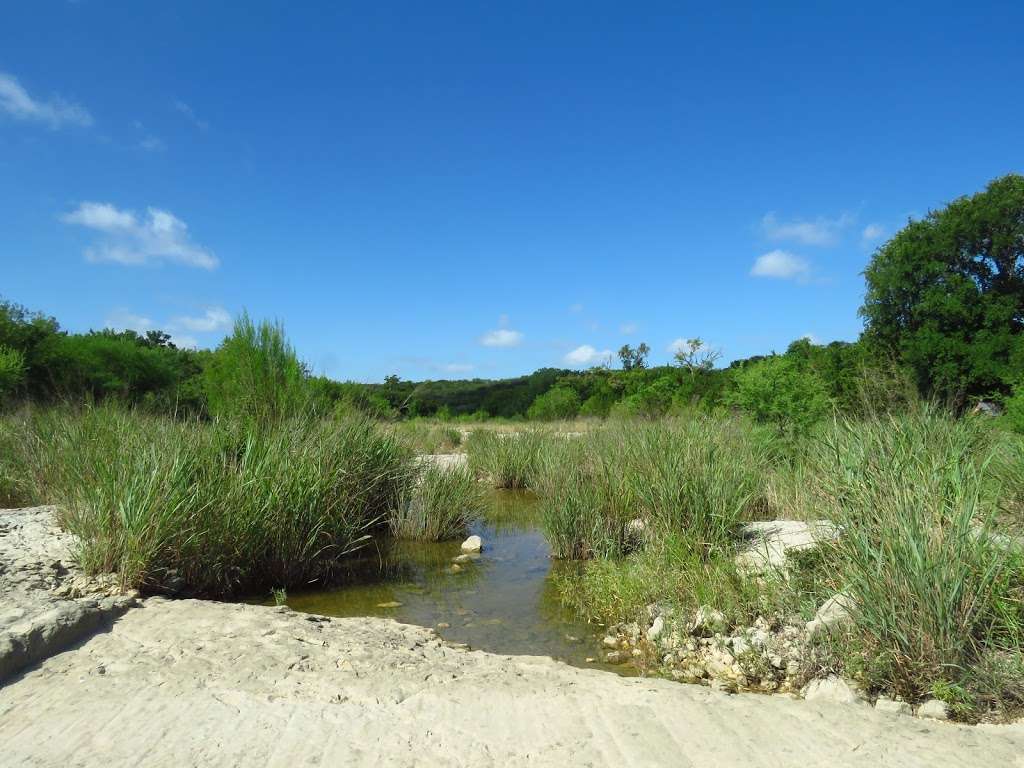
(946, 293)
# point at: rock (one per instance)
(834, 689)
(933, 709)
(635, 533)
(455, 568)
(657, 627)
(611, 642)
(739, 645)
(615, 657)
(443, 625)
(892, 706)
(708, 621)
(390, 604)
(834, 614)
(769, 543)
(462, 559)
(472, 544)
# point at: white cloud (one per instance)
(678, 345)
(872, 233)
(821, 231)
(16, 102)
(588, 355)
(213, 319)
(188, 112)
(160, 236)
(627, 329)
(780, 264)
(502, 337)
(153, 144)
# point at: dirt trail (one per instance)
(194, 683)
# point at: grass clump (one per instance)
(936, 590)
(439, 505)
(216, 508)
(507, 459)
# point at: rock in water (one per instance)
(472, 544)
(390, 604)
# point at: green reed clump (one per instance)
(439, 505)
(936, 590)
(507, 459)
(698, 479)
(218, 508)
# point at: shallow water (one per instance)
(503, 602)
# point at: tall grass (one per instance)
(217, 508)
(439, 505)
(934, 590)
(507, 459)
(698, 479)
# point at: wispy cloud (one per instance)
(153, 144)
(781, 264)
(820, 231)
(157, 237)
(587, 355)
(188, 112)
(502, 337)
(628, 329)
(872, 233)
(213, 319)
(16, 102)
(457, 367)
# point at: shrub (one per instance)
(255, 375)
(556, 403)
(440, 505)
(779, 391)
(12, 371)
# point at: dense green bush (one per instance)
(12, 371)
(557, 403)
(778, 390)
(256, 376)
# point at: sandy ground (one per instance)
(193, 683)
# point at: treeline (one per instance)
(943, 320)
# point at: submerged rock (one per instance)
(473, 544)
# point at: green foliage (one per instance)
(441, 504)
(559, 402)
(779, 391)
(256, 376)
(946, 293)
(222, 507)
(12, 371)
(1014, 405)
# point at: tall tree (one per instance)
(634, 359)
(946, 293)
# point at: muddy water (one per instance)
(503, 602)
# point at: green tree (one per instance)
(557, 403)
(696, 357)
(946, 293)
(634, 359)
(779, 390)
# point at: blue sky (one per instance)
(451, 190)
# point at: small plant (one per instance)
(279, 595)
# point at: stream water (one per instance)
(503, 602)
